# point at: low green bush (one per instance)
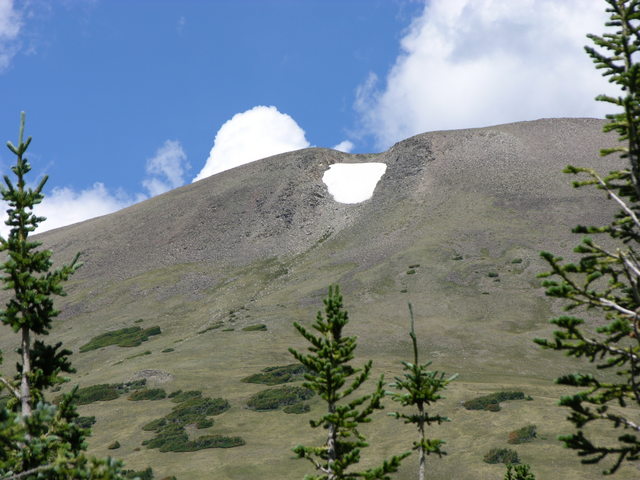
(492, 274)
(84, 422)
(192, 409)
(415, 265)
(96, 393)
(168, 350)
(501, 455)
(114, 445)
(212, 327)
(259, 327)
(274, 398)
(277, 375)
(206, 423)
(411, 271)
(492, 401)
(146, 474)
(523, 435)
(516, 260)
(179, 396)
(297, 408)
(125, 337)
(148, 394)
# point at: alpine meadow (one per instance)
(248, 325)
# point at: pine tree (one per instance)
(332, 377)
(606, 279)
(37, 439)
(519, 472)
(420, 388)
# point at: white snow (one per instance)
(353, 182)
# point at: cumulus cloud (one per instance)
(344, 146)
(166, 170)
(64, 206)
(10, 25)
(472, 63)
(248, 136)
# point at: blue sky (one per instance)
(127, 99)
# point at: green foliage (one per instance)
(85, 422)
(420, 388)
(114, 445)
(297, 408)
(277, 375)
(148, 394)
(523, 435)
(274, 398)
(168, 350)
(501, 455)
(146, 474)
(411, 271)
(192, 409)
(334, 379)
(97, 393)
(519, 472)
(212, 327)
(605, 277)
(125, 337)
(493, 275)
(516, 261)
(179, 396)
(492, 401)
(37, 439)
(259, 327)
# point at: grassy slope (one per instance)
(466, 321)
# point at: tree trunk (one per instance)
(331, 451)
(422, 460)
(25, 392)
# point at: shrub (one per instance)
(190, 410)
(411, 271)
(501, 455)
(492, 401)
(259, 327)
(125, 337)
(97, 393)
(522, 435)
(84, 422)
(206, 423)
(142, 474)
(492, 275)
(516, 260)
(277, 375)
(179, 396)
(167, 350)
(212, 327)
(113, 446)
(297, 408)
(274, 398)
(155, 425)
(148, 394)
(415, 265)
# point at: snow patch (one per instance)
(353, 182)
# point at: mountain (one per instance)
(455, 227)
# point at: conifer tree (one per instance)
(519, 472)
(605, 281)
(420, 388)
(37, 439)
(334, 379)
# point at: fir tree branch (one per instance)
(10, 387)
(26, 473)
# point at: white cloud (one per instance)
(166, 169)
(472, 63)
(257, 133)
(64, 206)
(344, 146)
(353, 182)
(10, 25)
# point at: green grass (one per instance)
(274, 398)
(125, 337)
(259, 327)
(277, 375)
(492, 401)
